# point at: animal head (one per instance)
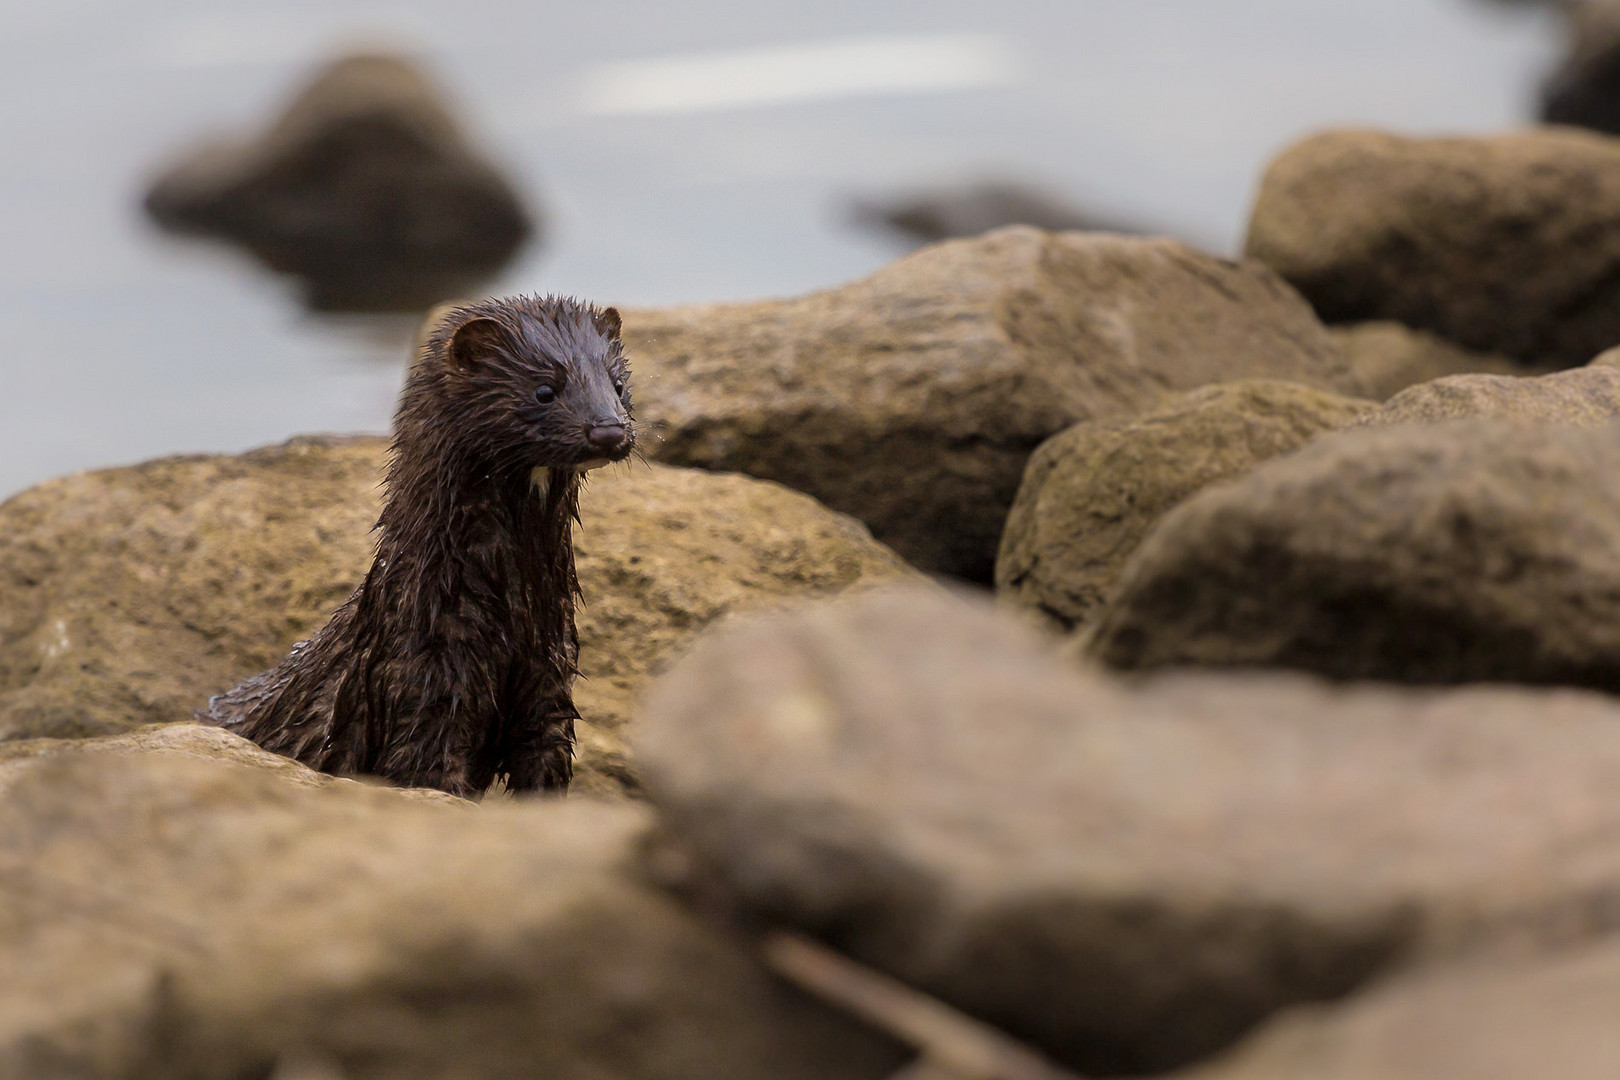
(531, 382)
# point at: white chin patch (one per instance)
(541, 479)
(594, 463)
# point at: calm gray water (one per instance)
(667, 170)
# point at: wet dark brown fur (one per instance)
(453, 664)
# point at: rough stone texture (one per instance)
(1091, 493)
(365, 188)
(128, 596)
(1127, 874)
(1478, 550)
(1498, 1021)
(1582, 396)
(167, 916)
(1508, 244)
(913, 398)
(1388, 357)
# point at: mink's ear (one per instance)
(608, 322)
(474, 342)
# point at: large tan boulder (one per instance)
(1500, 1020)
(1507, 244)
(168, 914)
(912, 399)
(365, 188)
(1091, 493)
(1128, 874)
(128, 596)
(1475, 550)
(1581, 396)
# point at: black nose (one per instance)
(608, 438)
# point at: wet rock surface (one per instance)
(169, 915)
(1127, 874)
(1507, 244)
(128, 596)
(1090, 494)
(1480, 550)
(911, 400)
(365, 189)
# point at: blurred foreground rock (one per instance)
(1127, 875)
(1504, 1020)
(1508, 244)
(170, 915)
(912, 399)
(365, 189)
(1091, 493)
(1478, 550)
(128, 596)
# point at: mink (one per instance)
(452, 665)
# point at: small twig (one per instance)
(953, 1046)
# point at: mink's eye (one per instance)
(545, 394)
(618, 387)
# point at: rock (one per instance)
(1609, 358)
(1091, 493)
(1508, 244)
(365, 188)
(198, 742)
(932, 216)
(129, 596)
(912, 399)
(1521, 1020)
(1585, 90)
(1581, 396)
(165, 915)
(1388, 357)
(1126, 874)
(1479, 550)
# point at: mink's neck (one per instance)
(446, 522)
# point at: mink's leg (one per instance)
(540, 754)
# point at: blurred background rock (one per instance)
(677, 153)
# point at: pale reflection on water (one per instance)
(677, 152)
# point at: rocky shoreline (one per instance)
(1287, 747)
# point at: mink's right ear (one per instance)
(474, 341)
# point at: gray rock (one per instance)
(168, 914)
(1126, 874)
(1479, 550)
(932, 216)
(912, 399)
(1091, 493)
(1508, 244)
(365, 189)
